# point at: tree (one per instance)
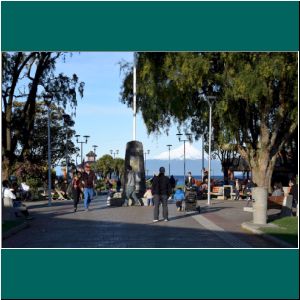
(228, 156)
(119, 167)
(60, 130)
(104, 165)
(261, 99)
(256, 99)
(27, 77)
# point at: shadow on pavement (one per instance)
(122, 228)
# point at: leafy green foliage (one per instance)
(106, 165)
(26, 78)
(256, 99)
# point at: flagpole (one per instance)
(134, 96)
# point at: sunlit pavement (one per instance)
(57, 226)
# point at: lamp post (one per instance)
(81, 142)
(169, 146)
(95, 147)
(185, 140)
(209, 100)
(67, 118)
(202, 158)
(147, 152)
(77, 155)
(47, 99)
(112, 152)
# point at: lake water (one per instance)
(180, 179)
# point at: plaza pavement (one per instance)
(57, 226)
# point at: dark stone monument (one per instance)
(135, 158)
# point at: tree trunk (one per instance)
(5, 169)
(225, 174)
(262, 170)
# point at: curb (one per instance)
(253, 228)
(14, 230)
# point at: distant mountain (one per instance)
(190, 153)
(193, 161)
(192, 165)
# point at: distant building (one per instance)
(89, 158)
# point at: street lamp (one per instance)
(77, 155)
(169, 160)
(95, 147)
(209, 100)
(81, 142)
(188, 135)
(202, 158)
(147, 152)
(114, 153)
(67, 119)
(47, 99)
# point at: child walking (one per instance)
(148, 195)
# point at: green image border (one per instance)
(150, 273)
(150, 26)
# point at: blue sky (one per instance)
(100, 114)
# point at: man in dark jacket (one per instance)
(161, 190)
(190, 180)
(88, 181)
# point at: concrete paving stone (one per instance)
(57, 226)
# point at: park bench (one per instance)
(284, 203)
(218, 191)
(275, 202)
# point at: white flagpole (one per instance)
(134, 96)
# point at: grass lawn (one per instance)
(287, 230)
(10, 224)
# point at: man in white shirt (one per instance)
(9, 200)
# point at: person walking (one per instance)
(76, 188)
(130, 188)
(161, 189)
(148, 195)
(88, 181)
(236, 189)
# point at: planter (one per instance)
(260, 197)
(116, 201)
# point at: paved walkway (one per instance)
(218, 226)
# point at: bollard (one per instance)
(260, 196)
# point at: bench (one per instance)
(217, 191)
(275, 202)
